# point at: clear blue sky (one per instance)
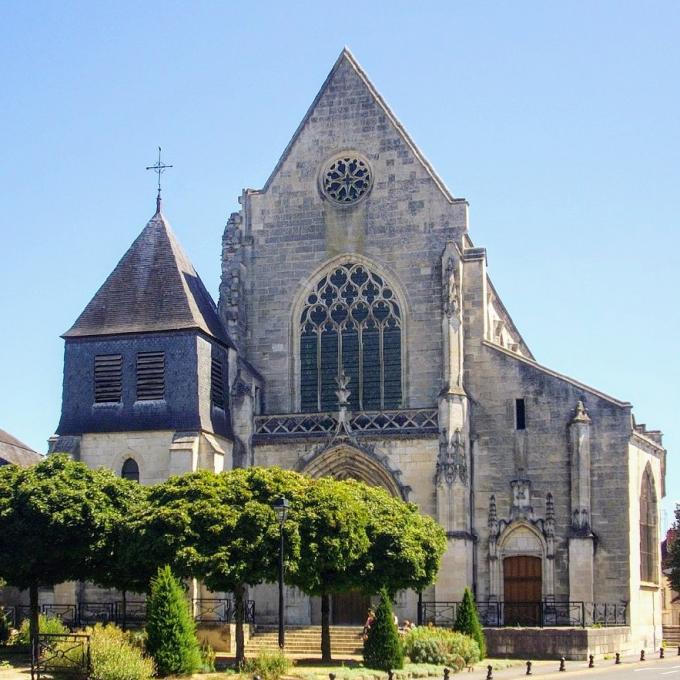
(559, 122)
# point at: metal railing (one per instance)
(129, 614)
(546, 613)
(404, 421)
(61, 655)
(221, 611)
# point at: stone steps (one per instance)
(671, 635)
(306, 640)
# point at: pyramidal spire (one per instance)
(153, 288)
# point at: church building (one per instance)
(353, 270)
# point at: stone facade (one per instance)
(521, 465)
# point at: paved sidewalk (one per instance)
(15, 673)
(630, 667)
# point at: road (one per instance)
(629, 669)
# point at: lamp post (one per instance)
(280, 506)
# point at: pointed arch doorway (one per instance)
(350, 460)
(522, 590)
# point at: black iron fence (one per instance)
(128, 613)
(221, 611)
(61, 655)
(546, 613)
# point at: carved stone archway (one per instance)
(344, 460)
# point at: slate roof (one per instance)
(154, 287)
(16, 452)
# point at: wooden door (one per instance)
(522, 590)
(350, 609)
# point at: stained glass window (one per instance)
(346, 179)
(351, 322)
(649, 544)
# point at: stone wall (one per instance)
(402, 225)
(575, 644)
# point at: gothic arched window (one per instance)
(648, 531)
(130, 470)
(350, 322)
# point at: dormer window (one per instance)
(150, 376)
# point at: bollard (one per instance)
(591, 661)
(562, 666)
(618, 658)
(489, 672)
(390, 675)
(661, 653)
(642, 655)
(447, 672)
(528, 667)
(331, 676)
(256, 677)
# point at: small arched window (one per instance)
(649, 545)
(350, 322)
(130, 470)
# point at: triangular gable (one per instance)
(346, 57)
(154, 287)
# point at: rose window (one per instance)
(346, 179)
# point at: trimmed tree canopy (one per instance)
(55, 518)
(405, 547)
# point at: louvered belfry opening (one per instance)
(217, 382)
(351, 322)
(150, 376)
(108, 378)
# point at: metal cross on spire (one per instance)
(159, 169)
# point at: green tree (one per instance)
(170, 628)
(221, 529)
(332, 525)
(672, 564)
(467, 621)
(405, 546)
(382, 647)
(125, 563)
(55, 518)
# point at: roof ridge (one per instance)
(346, 55)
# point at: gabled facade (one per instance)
(351, 285)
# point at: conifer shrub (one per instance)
(467, 622)
(382, 647)
(440, 646)
(170, 628)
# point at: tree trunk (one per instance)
(124, 597)
(34, 621)
(326, 628)
(239, 592)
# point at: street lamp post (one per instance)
(281, 509)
